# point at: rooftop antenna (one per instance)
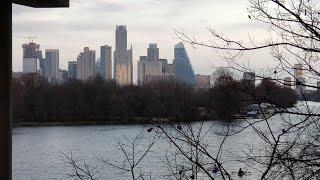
(27, 37)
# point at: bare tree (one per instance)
(293, 151)
(290, 135)
(80, 168)
(134, 150)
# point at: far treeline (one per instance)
(36, 100)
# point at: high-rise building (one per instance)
(52, 65)
(155, 72)
(63, 75)
(72, 69)
(153, 52)
(170, 69)
(30, 57)
(182, 66)
(300, 85)
(164, 65)
(153, 67)
(202, 81)
(86, 64)
(300, 88)
(143, 58)
(147, 69)
(98, 68)
(249, 76)
(299, 80)
(141, 69)
(287, 82)
(122, 58)
(42, 63)
(105, 61)
(298, 71)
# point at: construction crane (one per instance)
(27, 37)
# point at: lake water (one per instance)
(37, 151)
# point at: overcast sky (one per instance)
(92, 23)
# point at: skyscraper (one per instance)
(299, 80)
(153, 52)
(122, 58)
(42, 63)
(182, 66)
(52, 65)
(86, 64)
(298, 71)
(30, 57)
(164, 65)
(98, 68)
(63, 75)
(300, 86)
(151, 69)
(72, 69)
(249, 77)
(105, 61)
(141, 69)
(170, 70)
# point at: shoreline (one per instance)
(83, 123)
(135, 121)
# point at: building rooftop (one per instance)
(121, 27)
(179, 45)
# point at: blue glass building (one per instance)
(182, 66)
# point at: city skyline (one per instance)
(161, 89)
(87, 65)
(149, 26)
(151, 68)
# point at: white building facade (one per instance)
(30, 57)
(86, 64)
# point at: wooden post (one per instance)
(5, 79)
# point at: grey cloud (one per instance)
(104, 7)
(92, 21)
(56, 26)
(245, 25)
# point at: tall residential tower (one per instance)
(105, 62)
(122, 58)
(153, 52)
(86, 64)
(300, 81)
(72, 69)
